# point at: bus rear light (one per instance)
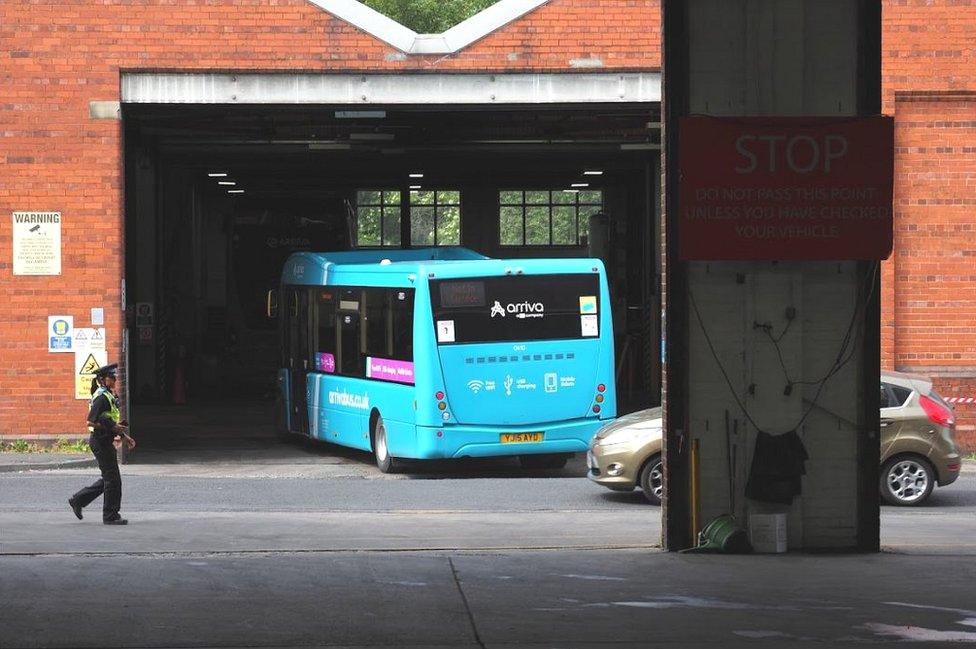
(442, 406)
(439, 395)
(937, 413)
(599, 398)
(596, 408)
(601, 388)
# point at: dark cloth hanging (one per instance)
(777, 465)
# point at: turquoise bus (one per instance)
(444, 353)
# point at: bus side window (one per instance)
(350, 361)
(376, 313)
(401, 321)
(325, 344)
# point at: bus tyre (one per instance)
(381, 451)
(544, 461)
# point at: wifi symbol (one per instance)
(476, 385)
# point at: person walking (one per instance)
(107, 435)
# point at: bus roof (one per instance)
(316, 268)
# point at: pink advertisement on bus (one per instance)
(387, 369)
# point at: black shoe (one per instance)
(75, 507)
(116, 521)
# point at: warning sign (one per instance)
(90, 354)
(37, 243)
(786, 188)
(90, 365)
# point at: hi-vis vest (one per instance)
(113, 406)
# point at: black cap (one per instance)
(107, 370)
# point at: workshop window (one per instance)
(377, 218)
(435, 218)
(546, 217)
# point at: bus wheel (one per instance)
(384, 461)
(544, 461)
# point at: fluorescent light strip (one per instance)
(416, 175)
(580, 185)
(414, 186)
(227, 182)
(235, 191)
(216, 174)
(593, 173)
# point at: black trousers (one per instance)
(111, 481)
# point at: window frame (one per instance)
(434, 206)
(382, 206)
(550, 204)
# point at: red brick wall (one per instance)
(57, 56)
(935, 236)
(929, 284)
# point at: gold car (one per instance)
(627, 452)
(918, 445)
(918, 449)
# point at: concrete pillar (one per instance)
(749, 342)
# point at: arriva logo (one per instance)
(519, 309)
(357, 401)
(527, 309)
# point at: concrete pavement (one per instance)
(527, 599)
(229, 532)
(263, 545)
(11, 462)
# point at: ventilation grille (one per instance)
(483, 360)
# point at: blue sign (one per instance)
(60, 333)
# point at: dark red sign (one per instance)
(786, 188)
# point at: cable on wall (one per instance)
(844, 354)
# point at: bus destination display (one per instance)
(455, 295)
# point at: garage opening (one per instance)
(218, 196)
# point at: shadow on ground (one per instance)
(222, 432)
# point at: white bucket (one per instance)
(767, 532)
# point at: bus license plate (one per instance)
(521, 438)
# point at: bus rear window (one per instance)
(516, 308)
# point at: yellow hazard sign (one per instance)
(87, 362)
(89, 366)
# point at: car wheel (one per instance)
(385, 462)
(907, 480)
(652, 480)
(544, 461)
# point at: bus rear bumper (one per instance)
(485, 441)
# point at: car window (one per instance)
(885, 399)
(900, 395)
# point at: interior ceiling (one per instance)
(276, 149)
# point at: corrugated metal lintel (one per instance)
(387, 89)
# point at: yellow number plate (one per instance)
(521, 438)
